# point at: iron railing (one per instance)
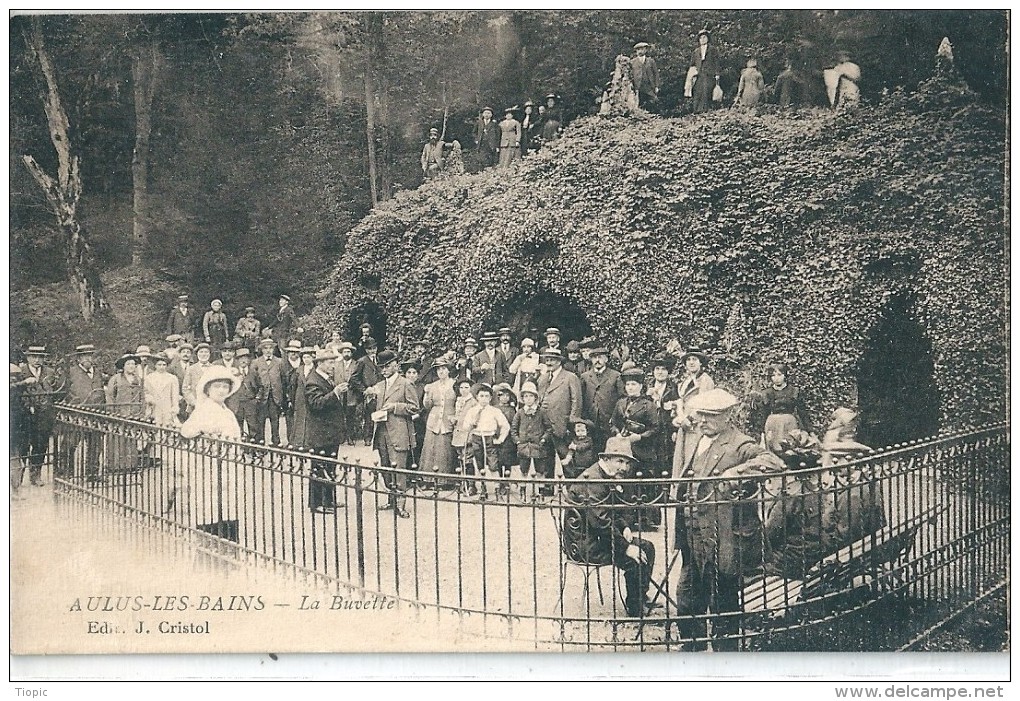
(869, 554)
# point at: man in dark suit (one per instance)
(720, 538)
(270, 397)
(323, 431)
(394, 401)
(559, 394)
(351, 408)
(644, 74)
(40, 392)
(182, 320)
(601, 389)
(242, 402)
(85, 387)
(366, 336)
(488, 365)
(487, 138)
(365, 374)
(600, 534)
(283, 329)
(705, 60)
(506, 346)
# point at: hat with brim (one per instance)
(470, 341)
(504, 387)
(230, 346)
(634, 374)
(36, 350)
(385, 358)
(505, 331)
(242, 353)
(186, 346)
(200, 346)
(714, 401)
(174, 338)
(309, 350)
(143, 352)
(694, 353)
(16, 370)
(409, 364)
(440, 362)
(842, 417)
(511, 110)
(217, 373)
(84, 349)
(267, 342)
(345, 345)
(551, 353)
(642, 45)
(599, 350)
(529, 388)
(490, 336)
(160, 357)
(285, 297)
(663, 361)
(552, 95)
(325, 354)
(119, 362)
(293, 347)
(705, 32)
(182, 298)
(618, 447)
(529, 103)
(573, 347)
(249, 309)
(433, 131)
(552, 330)
(487, 109)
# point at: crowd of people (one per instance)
(494, 409)
(636, 83)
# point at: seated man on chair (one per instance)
(601, 535)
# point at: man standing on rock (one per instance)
(645, 76)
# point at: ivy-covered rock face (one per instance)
(774, 237)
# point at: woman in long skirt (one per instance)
(439, 403)
(162, 394)
(783, 406)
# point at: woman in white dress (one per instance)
(201, 493)
(162, 394)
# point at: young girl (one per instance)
(581, 452)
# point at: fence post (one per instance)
(359, 523)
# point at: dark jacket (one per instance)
(297, 424)
(532, 435)
(592, 532)
(82, 389)
(269, 381)
(638, 415)
(284, 326)
(494, 375)
(38, 397)
(325, 417)
(601, 393)
(365, 374)
(183, 324)
(487, 135)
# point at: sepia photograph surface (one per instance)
(509, 331)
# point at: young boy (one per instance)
(581, 452)
(488, 429)
(532, 433)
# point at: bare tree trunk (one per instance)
(370, 129)
(145, 72)
(64, 193)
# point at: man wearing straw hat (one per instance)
(322, 430)
(601, 535)
(85, 387)
(40, 393)
(720, 537)
(395, 402)
(350, 406)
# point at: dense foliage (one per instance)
(775, 237)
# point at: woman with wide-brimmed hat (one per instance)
(125, 397)
(695, 381)
(439, 404)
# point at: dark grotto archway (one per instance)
(530, 314)
(896, 388)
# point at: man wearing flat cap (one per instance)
(719, 535)
(270, 394)
(432, 156)
(645, 76)
(596, 533)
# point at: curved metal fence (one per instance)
(792, 559)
